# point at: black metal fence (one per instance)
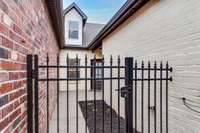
(145, 90)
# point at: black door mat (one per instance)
(99, 117)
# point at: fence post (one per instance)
(29, 63)
(36, 94)
(129, 98)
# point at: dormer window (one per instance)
(73, 29)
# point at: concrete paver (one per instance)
(72, 112)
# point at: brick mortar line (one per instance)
(17, 125)
(24, 16)
(16, 71)
(13, 91)
(22, 120)
(10, 39)
(11, 29)
(11, 121)
(27, 20)
(13, 108)
(4, 47)
(21, 71)
(7, 71)
(24, 35)
(23, 30)
(12, 111)
(13, 61)
(13, 13)
(12, 81)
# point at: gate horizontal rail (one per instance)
(63, 66)
(114, 78)
(130, 92)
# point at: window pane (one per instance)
(72, 71)
(73, 29)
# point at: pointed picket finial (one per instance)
(67, 59)
(167, 66)
(111, 59)
(58, 59)
(155, 65)
(161, 64)
(77, 60)
(135, 63)
(142, 63)
(149, 64)
(47, 58)
(103, 61)
(119, 61)
(86, 58)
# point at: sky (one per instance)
(98, 11)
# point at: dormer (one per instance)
(74, 21)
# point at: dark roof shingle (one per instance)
(90, 31)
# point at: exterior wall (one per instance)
(73, 15)
(166, 30)
(25, 28)
(63, 72)
(98, 53)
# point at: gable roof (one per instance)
(127, 10)
(89, 32)
(74, 6)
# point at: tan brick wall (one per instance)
(25, 28)
(166, 30)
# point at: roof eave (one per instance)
(121, 16)
(74, 47)
(55, 11)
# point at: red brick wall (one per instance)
(25, 28)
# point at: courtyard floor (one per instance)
(82, 114)
(72, 112)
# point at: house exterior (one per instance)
(26, 27)
(78, 34)
(161, 30)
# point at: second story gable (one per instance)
(74, 21)
(78, 32)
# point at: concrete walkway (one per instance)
(72, 112)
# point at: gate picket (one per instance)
(138, 107)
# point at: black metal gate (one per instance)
(141, 87)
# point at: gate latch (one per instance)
(125, 91)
